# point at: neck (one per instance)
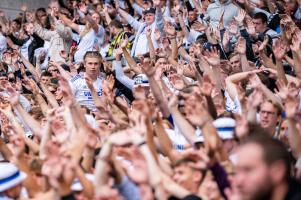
(91, 76)
(280, 191)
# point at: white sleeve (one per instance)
(25, 103)
(126, 81)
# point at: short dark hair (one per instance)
(46, 73)
(116, 24)
(261, 16)
(273, 149)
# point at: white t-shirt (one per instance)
(3, 44)
(24, 48)
(142, 45)
(81, 91)
(87, 42)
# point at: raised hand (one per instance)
(240, 16)
(251, 28)
(169, 29)
(147, 67)
(241, 128)
(199, 26)
(207, 86)
(212, 56)
(233, 29)
(196, 112)
(264, 43)
(279, 50)
(156, 2)
(241, 46)
(157, 34)
(13, 96)
(148, 32)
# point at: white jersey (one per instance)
(81, 91)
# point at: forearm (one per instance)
(5, 151)
(88, 187)
(270, 95)
(129, 58)
(159, 98)
(294, 138)
(152, 165)
(50, 97)
(297, 63)
(29, 120)
(165, 143)
(184, 126)
(42, 103)
(211, 107)
(174, 49)
(46, 136)
(87, 162)
(120, 76)
(151, 47)
(244, 63)
(280, 72)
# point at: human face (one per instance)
(192, 16)
(187, 177)
(15, 26)
(53, 70)
(268, 116)
(96, 18)
(252, 178)
(42, 17)
(161, 62)
(149, 18)
(45, 80)
(29, 29)
(235, 64)
(260, 27)
(92, 66)
(55, 7)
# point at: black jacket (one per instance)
(36, 43)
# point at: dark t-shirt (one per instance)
(294, 192)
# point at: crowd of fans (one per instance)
(151, 99)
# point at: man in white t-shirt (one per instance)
(92, 60)
(153, 19)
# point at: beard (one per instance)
(263, 192)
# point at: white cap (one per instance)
(77, 186)
(141, 80)
(10, 176)
(225, 127)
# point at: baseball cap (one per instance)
(10, 176)
(149, 10)
(141, 80)
(225, 127)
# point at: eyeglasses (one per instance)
(262, 112)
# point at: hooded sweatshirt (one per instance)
(215, 10)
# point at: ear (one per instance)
(278, 171)
(197, 176)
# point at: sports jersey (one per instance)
(81, 91)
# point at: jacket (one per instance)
(59, 39)
(215, 10)
(141, 26)
(36, 43)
